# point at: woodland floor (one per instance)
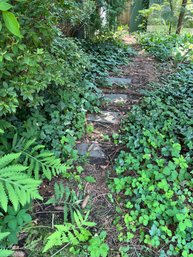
(142, 69)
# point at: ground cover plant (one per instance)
(107, 54)
(169, 47)
(54, 56)
(154, 175)
(46, 91)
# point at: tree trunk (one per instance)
(145, 19)
(181, 16)
(136, 21)
(172, 14)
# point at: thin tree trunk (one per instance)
(137, 22)
(145, 19)
(170, 28)
(181, 16)
(172, 14)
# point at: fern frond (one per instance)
(69, 233)
(44, 162)
(54, 240)
(5, 125)
(13, 197)
(56, 191)
(6, 159)
(4, 252)
(3, 195)
(77, 219)
(28, 143)
(67, 194)
(15, 186)
(38, 160)
(72, 238)
(3, 235)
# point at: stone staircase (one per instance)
(117, 101)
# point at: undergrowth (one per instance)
(106, 55)
(153, 182)
(168, 47)
(48, 86)
(49, 83)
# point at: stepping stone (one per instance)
(120, 81)
(94, 151)
(105, 117)
(116, 98)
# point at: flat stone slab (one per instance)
(120, 81)
(93, 151)
(116, 98)
(105, 117)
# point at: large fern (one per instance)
(4, 252)
(16, 186)
(67, 198)
(33, 155)
(5, 125)
(71, 234)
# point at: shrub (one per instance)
(168, 47)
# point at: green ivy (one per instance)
(107, 54)
(154, 175)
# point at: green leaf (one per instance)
(12, 238)
(4, 199)
(90, 179)
(89, 224)
(104, 250)
(3, 235)
(179, 216)
(15, 186)
(6, 159)
(77, 220)
(5, 6)
(79, 169)
(188, 223)
(176, 148)
(174, 175)
(167, 171)
(11, 23)
(103, 234)
(5, 253)
(12, 224)
(182, 226)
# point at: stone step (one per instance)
(116, 98)
(120, 81)
(93, 151)
(128, 92)
(105, 117)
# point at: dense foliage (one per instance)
(53, 57)
(47, 86)
(169, 47)
(154, 175)
(107, 54)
